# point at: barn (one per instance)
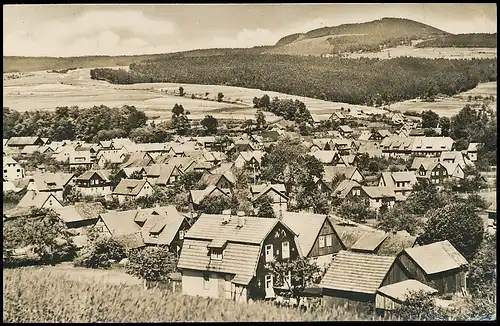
(438, 265)
(389, 297)
(353, 278)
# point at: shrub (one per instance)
(152, 264)
(99, 253)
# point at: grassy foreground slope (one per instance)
(35, 295)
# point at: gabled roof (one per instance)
(51, 181)
(198, 195)
(129, 187)
(474, 147)
(103, 174)
(167, 224)
(80, 157)
(432, 144)
(213, 179)
(80, 212)
(307, 226)
(36, 199)
(30, 149)
(379, 192)
(345, 187)
(357, 272)
(112, 157)
(332, 171)
(369, 242)
(8, 160)
(417, 161)
(324, 157)
(437, 257)
(121, 223)
(395, 243)
(257, 189)
(400, 291)
(365, 135)
(247, 156)
(277, 188)
(345, 128)
(137, 159)
(22, 141)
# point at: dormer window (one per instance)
(215, 254)
(216, 248)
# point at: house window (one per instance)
(269, 253)
(181, 234)
(329, 240)
(153, 235)
(206, 281)
(285, 249)
(269, 281)
(321, 241)
(18, 170)
(216, 254)
(4, 171)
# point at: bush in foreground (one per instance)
(70, 301)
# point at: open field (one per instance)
(431, 53)
(46, 91)
(42, 295)
(448, 106)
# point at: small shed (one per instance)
(389, 297)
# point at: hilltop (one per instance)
(369, 36)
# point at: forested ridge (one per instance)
(357, 81)
(474, 40)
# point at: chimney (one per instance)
(226, 212)
(226, 216)
(241, 221)
(240, 213)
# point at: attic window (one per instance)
(442, 146)
(215, 254)
(429, 146)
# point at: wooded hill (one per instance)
(479, 40)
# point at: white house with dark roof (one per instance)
(402, 181)
(132, 189)
(472, 151)
(224, 256)
(50, 182)
(345, 131)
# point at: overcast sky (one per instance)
(74, 30)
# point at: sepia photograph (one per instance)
(273, 162)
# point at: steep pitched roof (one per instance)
(432, 144)
(22, 141)
(36, 199)
(379, 192)
(437, 257)
(198, 195)
(345, 128)
(212, 179)
(51, 181)
(395, 243)
(332, 171)
(80, 212)
(307, 226)
(474, 147)
(324, 157)
(103, 174)
(120, 223)
(345, 187)
(276, 188)
(369, 242)
(167, 224)
(129, 187)
(247, 156)
(417, 161)
(357, 272)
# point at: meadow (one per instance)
(430, 53)
(448, 106)
(46, 91)
(73, 300)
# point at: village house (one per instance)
(40, 200)
(110, 159)
(12, 170)
(437, 264)
(369, 242)
(253, 159)
(21, 142)
(431, 146)
(197, 196)
(338, 116)
(353, 278)
(50, 182)
(316, 236)
(345, 131)
(437, 172)
(222, 181)
(396, 146)
(402, 181)
(162, 174)
(380, 134)
(80, 216)
(397, 119)
(185, 164)
(224, 256)
(30, 149)
(472, 151)
(330, 157)
(379, 195)
(129, 189)
(137, 159)
(331, 173)
(94, 183)
(277, 193)
(347, 188)
(456, 157)
(81, 159)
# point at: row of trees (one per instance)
(473, 40)
(89, 124)
(355, 81)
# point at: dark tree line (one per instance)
(89, 124)
(355, 81)
(474, 40)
